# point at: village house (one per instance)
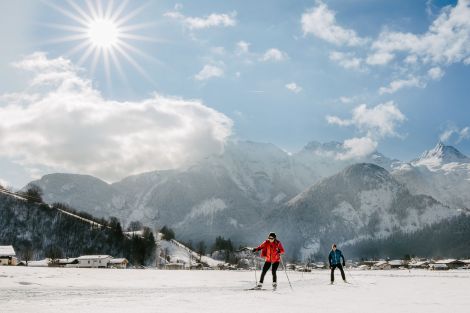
(67, 262)
(8, 256)
(451, 263)
(118, 263)
(467, 263)
(419, 264)
(396, 263)
(438, 267)
(381, 265)
(174, 266)
(97, 261)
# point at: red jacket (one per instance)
(269, 250)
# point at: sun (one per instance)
(103, 35)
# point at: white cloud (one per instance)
(376, 123)
(402, 83)
(436, 73)
(445, 136)
(218, 50)
(346, 60)
(242, 47)
(337, 121)
(321, 22)
(4, 183)
(346, 99)
(274, 55)
(379, 121)
(209, 71)
(450, 131)
(69, 126)
(212, 20)
(464, 133)
(446, 41)
(357, 148)
(294, 87)
(379, 58)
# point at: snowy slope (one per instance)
(442, 172)
(179, 253)
(58, 290)
(363, 200)
(235, 193)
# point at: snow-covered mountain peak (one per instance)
(440, 155)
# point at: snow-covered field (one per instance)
(24, 289)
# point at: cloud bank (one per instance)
(62, 122)
(373, 123)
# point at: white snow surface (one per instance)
(58, 290)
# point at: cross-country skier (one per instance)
(271, 250)
(334, 258)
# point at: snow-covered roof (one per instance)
(396, 262)
(438, 265)
(380, 263)
(419, 263)
(7, 251)
(446, 261)
(118, 261)
(465, 261)
(89, 257)
(40, 263)
(66, 260)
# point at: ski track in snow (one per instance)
(106, 290)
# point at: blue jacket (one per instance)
(335, 257)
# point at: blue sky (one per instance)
(385, 75)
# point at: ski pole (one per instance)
(285, 271)
(254, 266)
(349, 274)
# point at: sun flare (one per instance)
(103, 33)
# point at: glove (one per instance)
(254, 249)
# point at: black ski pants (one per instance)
(266, 266)
(333, 267)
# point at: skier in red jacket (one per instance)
(271, 250)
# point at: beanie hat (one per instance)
(272, 235)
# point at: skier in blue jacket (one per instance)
(334, 258)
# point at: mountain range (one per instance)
(310, 197)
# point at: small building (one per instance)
(96, 261)
(467, 263)
(396, 263)
(8, 256)
(118, 263)
(40, 263)
(438, 267)
(174, 266)
(381, 265)
(419, 264)
(67, 262)
(451, 263)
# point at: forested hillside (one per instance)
(38, 230)
(446, 239)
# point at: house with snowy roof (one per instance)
(381, 265)
(419, 264)
(118, 263)
(467, 263)
(396, 263)
(450, 263)
(8, 255)
(96, 261)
